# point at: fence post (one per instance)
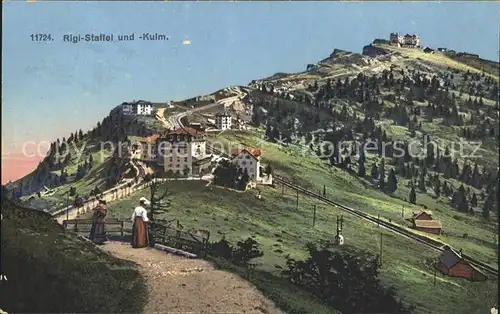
(121, 228)
(314, 215)
(76, 225)
(297, 201)
(164, 240)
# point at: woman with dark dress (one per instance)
(98, 230)
(140, 219)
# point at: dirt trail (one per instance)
(182, 285)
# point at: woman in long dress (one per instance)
(140, 219)
(98, 230)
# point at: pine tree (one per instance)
(243, 182)
(361, 168)
(413, 196)
(269, 169)
(374, 172)
(437, 187)
(382, 175)
(159, 204)
(473, 200)
(486, 207)
(421, 182)
(392, 182)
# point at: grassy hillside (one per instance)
(405, 96)
(309, 171)
(52, 271)
(282, 229)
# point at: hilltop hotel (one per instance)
(407, 41)
(140, 107)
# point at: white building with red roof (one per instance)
(249, 159)
(182, 150)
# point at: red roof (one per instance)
(428, 224)
(256, 153)
(150, 139)
(185, 130)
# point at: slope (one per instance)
(52, 271)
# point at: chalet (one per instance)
(423, 215)
(452, 263)
(423, 221)
(248, 159)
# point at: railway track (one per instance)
(382, 223)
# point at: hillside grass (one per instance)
(53, 271)
(342, 187)
(283, 229)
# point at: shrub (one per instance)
(346, 279)
(240, 255)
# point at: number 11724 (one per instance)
(41, 37)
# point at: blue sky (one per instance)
(51, 89)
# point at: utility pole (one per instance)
(314, 215)
(297, 201)
(434, 276)
(324, 190)
(403, 212)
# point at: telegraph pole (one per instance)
(314, 215)
(434, 276)
(297, 201)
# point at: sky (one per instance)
(53, 88)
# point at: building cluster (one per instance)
(183, 151)
(140, 107)
(406, 41)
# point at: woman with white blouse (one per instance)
(140, 219)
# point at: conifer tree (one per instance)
(437, 187)
(159, 204)
(413, 196)
(392, 182)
